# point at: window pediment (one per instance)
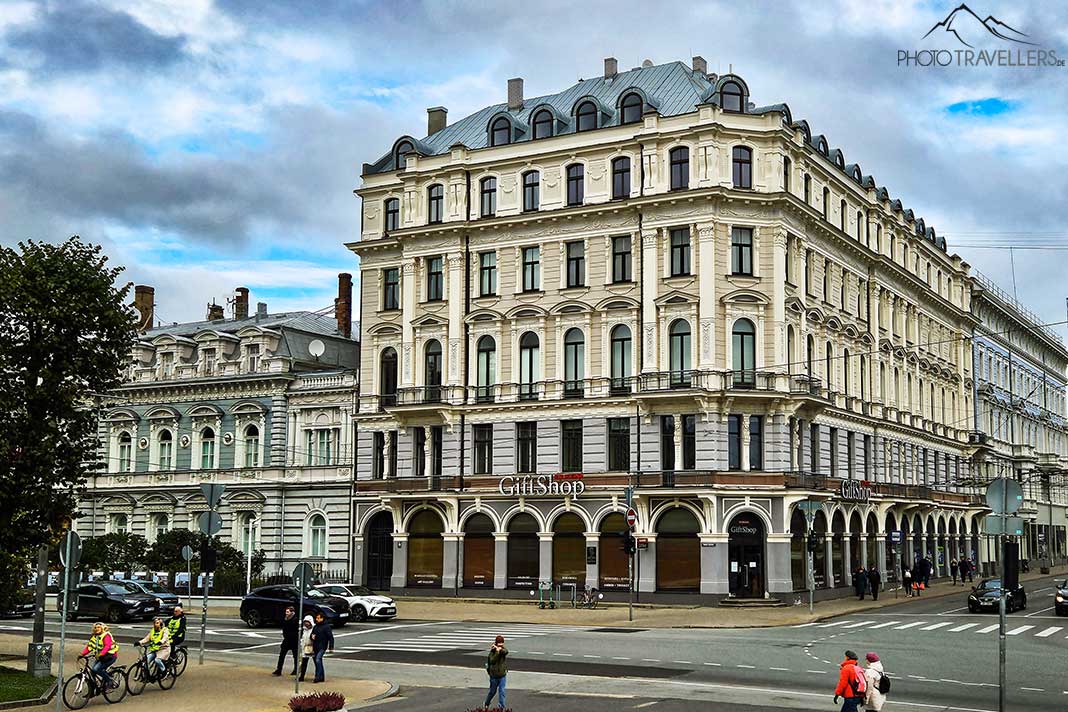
(745, 296)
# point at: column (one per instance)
(408, 303)
(778, 300)
(278, 431)
(400, 561)
(545, 556)
(650, 281)
(880, 557)
(428, 451)
(864, 550)
(358, 557)
(705, 237)
(828, 560)
(646, 563)
(847, 559)
(451, 565)
(745, 442)
(715, 577)
(455, 266)
(677, 435)
(500, 560)
(778, 564)
(593, 571)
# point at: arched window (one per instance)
(743, 346)
(621, 357)
(158, 525)
(576, 192)
(574, 362)
(742, 165)
(863, 378)
(317, 535)
(679, 353)
(846, 365)
(487, 368)
(632, 109)
(248, 526)
(808, 189)
(586, 116)
(828, 364)
(125, 452)
(790, 355)
(432, 371)
(392, 214)
(252, 446)
(679, 158)
(826, 204)
(528, 365)
(861, 222)
(531, 191)
(842, 215)
(435, 203)
(810, 356)
(620, 177)
(402, 148)
(207, 449)
(387, 377)
(787, 167)
(501, 132)
(119, 524)
(543, 124)
(488, 197)
(165, 457)
(731, 97)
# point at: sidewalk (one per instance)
(216, 685)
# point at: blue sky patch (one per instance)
(980, 108)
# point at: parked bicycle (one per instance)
(85, 684)
(590, 597)
(143, 673)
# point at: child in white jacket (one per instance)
(873, 699)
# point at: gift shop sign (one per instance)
(854, 491)
(561, 485)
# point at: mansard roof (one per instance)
(298, 321)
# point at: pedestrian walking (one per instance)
(906, 582)
(290, 641)
(953, 571)
(928, 567)
(874, 699)
(875, 581)
(497, 668)
(969, 568)
(860, 582)
(851, 683)
(322, 643)
(306, 649)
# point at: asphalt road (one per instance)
(938, 655)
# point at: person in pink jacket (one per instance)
(104, 651)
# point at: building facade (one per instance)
(261, 403)
(646, 281)
(1020, 368)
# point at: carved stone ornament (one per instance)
(228, 438)
(184, 441)
(142, 443)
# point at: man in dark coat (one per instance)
(290, 641)
(322, 642)
(875, 580)
(860, 582)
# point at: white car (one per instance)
(364, 602)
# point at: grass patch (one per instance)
(20, 685)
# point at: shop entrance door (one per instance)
(745, 556)
(380, 552)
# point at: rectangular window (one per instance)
(734, 442)
(667, 442)
(391, 288)
(680, 251)
(867, 458)
(435, 204)
(531, 191)
(419, 452)
(392, 214)
(435, 279)
(756, 442)
(851, 454)
(393, 452)
(437, 440)
(571, 445)
(679, 160)
(576, 264)
(742, 251)
(834, 451)
(483, 437)
(621, 259)
(689, 442)
(378, 455)
(531, 269)
(526, 447)
(166, 365)
(253, 358)
(789, 260)
(814, 447)
(618, 444)
(576, 192)
(209, 362)
(488, 197)
(620, 178)
(487, 274)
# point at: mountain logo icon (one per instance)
(963, 24)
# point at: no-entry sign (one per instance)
(632, 517)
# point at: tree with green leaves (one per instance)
(66, 336)
(114, 552)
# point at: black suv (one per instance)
(113, 601)
(167, 599)
(268, 605)
(987, 596)
(1060, 598)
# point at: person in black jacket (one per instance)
(322, 642)
(290, 641)
(875, 581)
(176, 627)
(860, 582)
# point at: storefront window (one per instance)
(678, 552)
(425, 550)
(613, 559)
(569, 550)
(522, 552)
(478, 552)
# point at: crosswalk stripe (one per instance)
(910, 625)
(959, 628)
(857, 625)
(831, 625)
(1048, 632)
(884, 625)
(936, 626)
(1021, 629)
(988, 629)
(804, 625)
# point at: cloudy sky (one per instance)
(209, 144)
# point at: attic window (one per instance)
(543, 124)
(586, 116)
(731, 97)
(501, 132)
(402, 148)
(632, 109)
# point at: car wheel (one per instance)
(971, 608)
(1061, 612)
(254, 619)
(359, 614)
(114, 614)
(71, 617)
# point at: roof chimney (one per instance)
(611, 67)
(261, 310)
(241, 303)
(435, 119)
(215, 312)
(145, 304)
(343, 304)
(700, 65)
(515, 94)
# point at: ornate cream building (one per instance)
(651, 281)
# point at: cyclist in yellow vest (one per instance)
(158, 642)
(104, 651)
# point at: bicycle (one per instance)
(178, 660)
(590, 597)
(85, 684)
(141, 673)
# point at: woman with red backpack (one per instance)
(851, 684)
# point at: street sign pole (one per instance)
(1001, 603)
(187, 554)
(204, 616)
(210, 523)
(68, 563)
(301, 576)
(630, 559)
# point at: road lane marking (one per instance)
(816, 672)
(988, 629)
(684, 662)
(803, 625)
(884, 625)
(1048, 632)
(647, 704)
(1041, 610)
(562, 655)
(936, 626)
(1033, 689)
(650, 660)
(1021, 629)
(910, 625)
(718, 665)
(857, 625)
(779, 669)
(596, 657)
(615, 657)
(959, 628)
(747, 667)
(831, 625)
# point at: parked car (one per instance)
(1060, 598)
(987, 595)
(113, 601)
(267, 605)
(167, 599)
(364, 602)
(23, 605)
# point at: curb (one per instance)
(394, 688)
(33, 701)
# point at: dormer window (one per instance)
(501, 132)
(253, 358)
(402, 148)
(586, 116)
(731, 97)
(166, 365)
(208, 360)
(631, 109)
(543, 124)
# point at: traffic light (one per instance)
(813, 542)
(629, 544)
